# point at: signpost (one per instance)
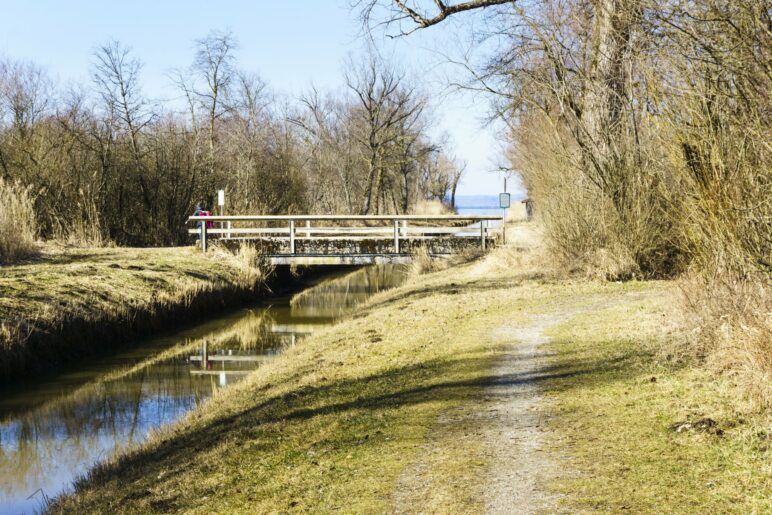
(505, 198)
(221, 203)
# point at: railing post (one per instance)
(482, 234)
(308, 227)
(203, 235)
(292, 236)
(396, 236)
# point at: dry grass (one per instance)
(629, 426)
(71, 302)
(431, 207)
(733, 330)
(338, 422)
(18, 227)
(247, 259)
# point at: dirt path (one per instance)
(506, 428)
(513, 432)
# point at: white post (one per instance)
(396, 236)
(308, 226)
(292, 236)
(221, 203)
(482, 234)
(203, 235)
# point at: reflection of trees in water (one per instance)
(336, 296)
(60, 438)
(252, 332)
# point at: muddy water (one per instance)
(54, 431)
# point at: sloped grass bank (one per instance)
(72, 303)
(338, 422)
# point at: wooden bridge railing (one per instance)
(349, 227)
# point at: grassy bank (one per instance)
(644, 433)
(384, 411)
(71, 303)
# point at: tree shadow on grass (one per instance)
(442, 380)
(480, 285)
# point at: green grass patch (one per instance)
(328, 426)
(646, 435)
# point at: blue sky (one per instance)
(291, 44)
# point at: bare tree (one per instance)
(214, 64)
(386, 106)
(116, 76)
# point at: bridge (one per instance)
(351, 239)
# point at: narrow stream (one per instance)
(54, 431)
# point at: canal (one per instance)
(55, 430)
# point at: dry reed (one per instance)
(18, 228)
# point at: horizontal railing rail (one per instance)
(268, 218)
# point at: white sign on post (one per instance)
(221, 198)
(504, 200)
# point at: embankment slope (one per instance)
(416, 402)
(72, 303)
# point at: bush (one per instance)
(586, 230)
(18, 227)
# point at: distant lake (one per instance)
(480, 205)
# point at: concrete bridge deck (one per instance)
(351, 239)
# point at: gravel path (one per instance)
(507, 422)
(513, 433)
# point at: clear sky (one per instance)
(291, 44)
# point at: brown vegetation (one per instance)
(71, 303)
(387, 410)
(18, 227)
(641, 130)
(106, 163)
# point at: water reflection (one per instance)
(55, 431)
(333, 298)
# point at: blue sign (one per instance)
(504, 200)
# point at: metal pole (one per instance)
(204, 355)
(396, 236)
(203, 235)
(482, 234)
(292, 236)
